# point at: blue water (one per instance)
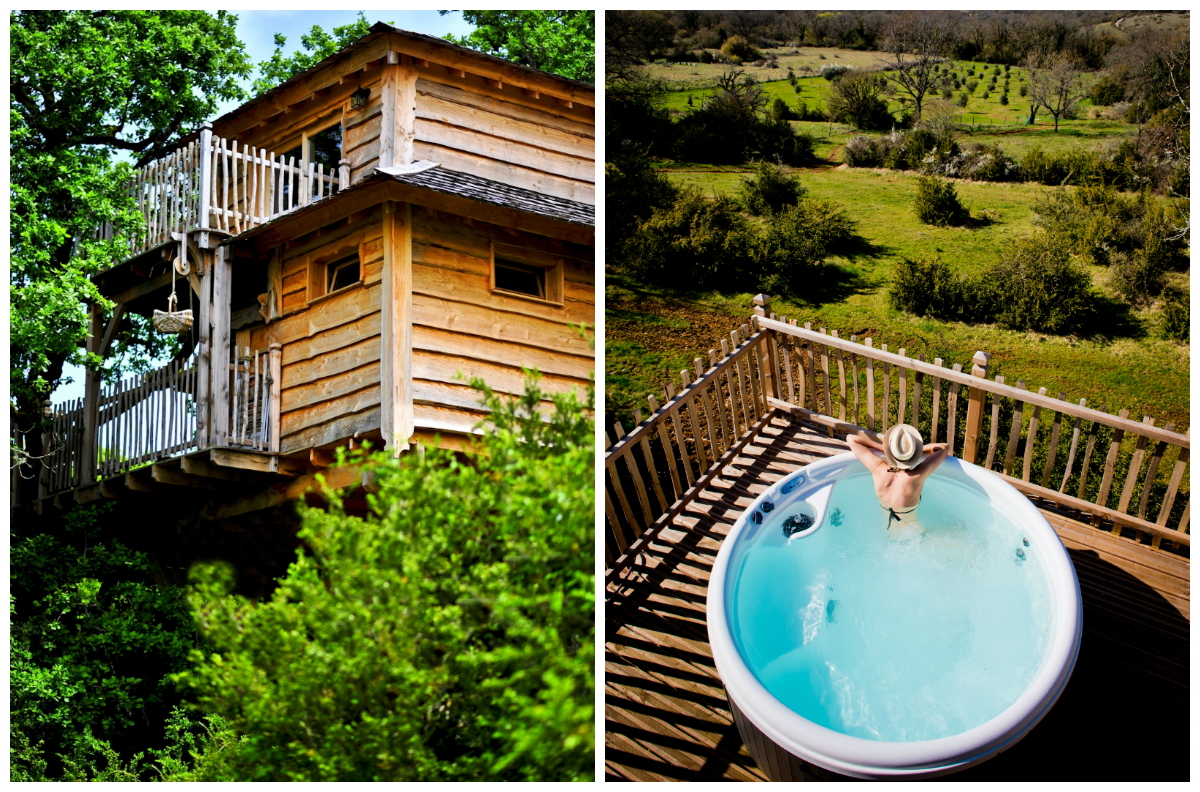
(893, 640)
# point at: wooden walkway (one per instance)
(1123, 716)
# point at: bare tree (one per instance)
(916, 42)
(1056, 86)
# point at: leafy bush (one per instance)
(693, 243)
(633, 189)
(834, 71)
(796, 242)
(448, 638)
(962, 100)
(928, 287)
(774, 138)
(856, 99)
(769, 190)
(1175, 318)
(1136, 276)
(1034, 286)
(936, 203)
(739, 47)
(93, 639)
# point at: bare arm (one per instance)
(937, 454)
(864, 450)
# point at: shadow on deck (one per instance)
(667, 718)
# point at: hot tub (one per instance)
(873, 656)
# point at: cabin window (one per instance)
(520, 278)
(325, 147)
(540, 281)
(342, 273)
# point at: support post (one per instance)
(202, 219)
(762, 308)
(343, 174)
(276, 363)
(975, 396)
(44, 474)
(396, 415)
(399, 112)
(203, 392)
(219, 357)
(91, 391)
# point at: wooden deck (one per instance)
(1123, 716)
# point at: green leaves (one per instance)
(560, 42)
(317, 46)
(449, 638)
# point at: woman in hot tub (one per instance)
(899, 467)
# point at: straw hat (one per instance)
(902, 446)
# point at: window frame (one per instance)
(552, 277)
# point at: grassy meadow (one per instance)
(652, 333)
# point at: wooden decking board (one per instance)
(669, 718)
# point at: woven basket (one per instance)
(173, 321)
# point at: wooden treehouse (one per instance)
(352, 243)
(776, 396)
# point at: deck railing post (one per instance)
(91, 397)
(975, 396)
(47, 436)
(202, 218)
(276, 376)
(343, 174)
(762, 308)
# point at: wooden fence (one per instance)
(1121, 473)
(146, 418)
(250, 405)
(213, 183)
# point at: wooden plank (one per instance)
(657, 420)
(713, 447)
(1053, 452)
(440, 102)
(164, 474)
(398, 121)
(506, 173)
(1110, 463)
(1135, 467)
(437, 282)
(952, 410)
(1151, 473)
(916, 397)
(854, 376)
(519, 151)
(396, 348)
(220, 393)
(1173, 487)
(343, 427)
(702, 458)
(1014, 435)
(294, 421)
(841, 366)
(321, 482)
(902, 401)
(1087, 460)
(824, 349)
(994, 435)
(887, 394)
(1031, 438)
(1071, 453)
(936, 404)
(680, 439)
(870, 386)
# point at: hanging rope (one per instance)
(172, 321)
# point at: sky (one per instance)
(257, 31)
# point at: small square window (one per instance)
(520, 278)
(342, 273)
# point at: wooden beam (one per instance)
(91, 391)
(204, 355)
(110, 332)
(140, 481)
(113, 487)
(321, 457)
(165, 474)
(396, 422)
(87, 494)
(256, 461)
(219, 357)
(198, 466)
(399, 114)
(321, 481)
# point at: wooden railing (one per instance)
(655, 470)
(254, 380)
(214, 184)
(145, 418)
(1123, 474)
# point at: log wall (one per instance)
(331, 365)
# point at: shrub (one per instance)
(1024, 89)
(1175, 317)
(693, 243)
(927, 287)
(856, 99)
(797, 240)
(971, 86)
(861, 152)
(1004, 99)
(769, 190)
(448, 638)
(962, 100)
(1136, 276)
(936, 203)
(739, 47)
(774, 138)
(834, 71)
(1034, 286)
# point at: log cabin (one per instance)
(353, 245)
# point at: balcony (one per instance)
(214, 184)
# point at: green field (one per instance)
(651, 333)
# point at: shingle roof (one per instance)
(484, 190)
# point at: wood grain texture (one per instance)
(516, 175)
